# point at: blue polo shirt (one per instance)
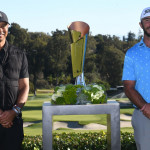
(137, 68)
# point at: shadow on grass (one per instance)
(39, 97)
(26, 108)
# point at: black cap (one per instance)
(3, 17)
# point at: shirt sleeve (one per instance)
(24, 68)
(128, 69)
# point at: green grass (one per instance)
(33, 130)
(127, 129)
(32, 112)
(122, 99)
(36, 129)
(127, 111)
(82, 119)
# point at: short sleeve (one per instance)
(128, 69)
(24, 68)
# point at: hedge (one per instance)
(79, 141)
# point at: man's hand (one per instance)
(146, 110)
(7, 117)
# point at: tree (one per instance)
(58, 52)
(131, 37)
(36, 55)
(112, 65)
(18, 36)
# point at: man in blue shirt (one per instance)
(136, 79)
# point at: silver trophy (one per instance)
(79, 33)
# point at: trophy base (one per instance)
(80, 80)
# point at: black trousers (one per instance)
(11, 138)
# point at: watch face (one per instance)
(18, 111)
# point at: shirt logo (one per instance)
(147, 11)
(141, 44)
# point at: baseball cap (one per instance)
(145, 13)
(3, 17)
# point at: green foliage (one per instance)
(65, 95)
(70, 94)
(127, 141)
(96, 93)
(79, 141)
(72, 141)
(51, 55)
(32, 143)
(42, 83)
(76, 94)
(112, 65)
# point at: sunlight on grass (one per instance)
(127, 111)
(32, 112)
(83, 119)
(36, 129)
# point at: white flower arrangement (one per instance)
(76, 94)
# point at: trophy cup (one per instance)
(78, 32)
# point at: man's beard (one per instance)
(145, 31)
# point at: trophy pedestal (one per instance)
(112, 109)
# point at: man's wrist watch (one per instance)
(17, 110)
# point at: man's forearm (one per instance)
(22, 97)
(23, 92)
(135, 97)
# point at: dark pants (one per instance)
(11, 138)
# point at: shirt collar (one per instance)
(141, 43)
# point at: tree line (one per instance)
(49, 56)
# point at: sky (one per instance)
(107, 17)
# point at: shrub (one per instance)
(41, 83)
(79, 141)
(127, 141)
(32, 143)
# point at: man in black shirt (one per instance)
(14, 88)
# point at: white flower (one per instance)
(87, 94)
(97, 86)
(59, 93)
(97, 95)
(61, 88)
(54, 97)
